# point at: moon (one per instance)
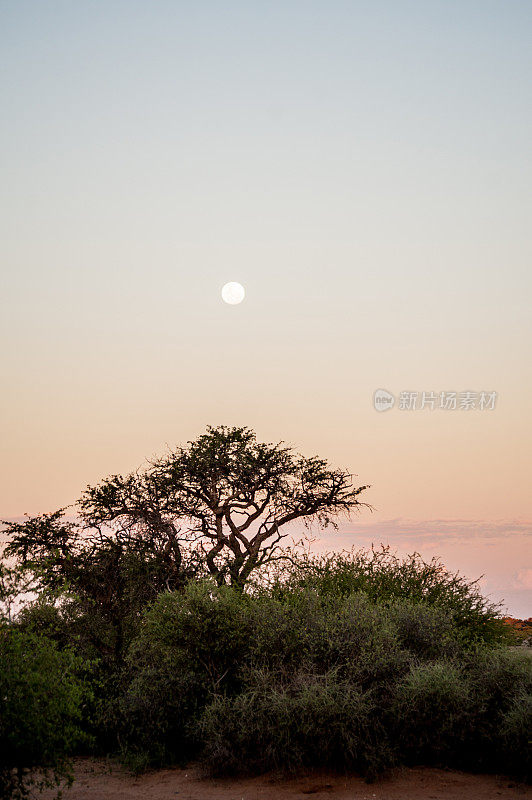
(233, 293)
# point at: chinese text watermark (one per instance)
(433, 401)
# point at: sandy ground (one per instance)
(98, 780)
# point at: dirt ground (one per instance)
(99, 780)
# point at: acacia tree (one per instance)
(226, 493)
(100, 578)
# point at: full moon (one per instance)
(233, 293)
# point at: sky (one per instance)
(362, 168)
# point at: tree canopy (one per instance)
(225, 493)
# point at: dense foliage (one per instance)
(122, 637)
(43, 692)
(293, 676)
(355, 662)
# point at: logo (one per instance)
(383, 400)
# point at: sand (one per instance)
(100, 780)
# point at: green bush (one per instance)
(42, 695)
(501, 686)
(351, 635)
(191, 645)
(155, 714)
(205, 642)
(383, 577)
(515, 737)
(472, 715)
(418, 686)
(426, 631)
(498, 675)
(311, 721)
(431, 713)
(205, 629)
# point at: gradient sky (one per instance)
(363, 168)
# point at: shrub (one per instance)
(204, 629)
(313, 721)
(206, 641)
(426, 631)
(383, 576)
(498, 675)
(190, 646)
(473, 715)
(431, 712)
(41, 701)
(501, 687)
(415, 683)
(515, 737)
(155, 715)
(351, 635)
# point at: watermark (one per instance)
(383, 400)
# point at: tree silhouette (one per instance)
(99, 579)
(228, 495)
